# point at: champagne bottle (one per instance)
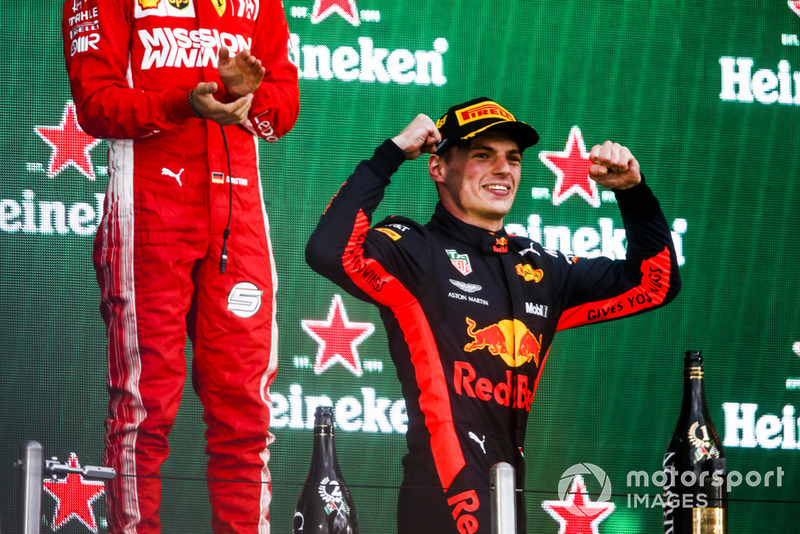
(695, 492)
(325, 505)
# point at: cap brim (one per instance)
(525, 135)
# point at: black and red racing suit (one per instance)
(470, 316)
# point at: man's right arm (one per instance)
(96, 43)
(336, 248)
(97, 36)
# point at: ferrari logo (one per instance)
(220, 6)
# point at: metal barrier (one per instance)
(29, 490)
(502, 482)
(32, 469)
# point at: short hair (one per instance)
(447, 155)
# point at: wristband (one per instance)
(191, 104)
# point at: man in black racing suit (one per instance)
(471, 311)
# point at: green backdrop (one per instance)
(706, 95)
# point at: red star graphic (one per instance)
(578, 514)
(70, 144)
(74, 497)
(346, 8)
(338, 338)
(795, 6)
(572, 169)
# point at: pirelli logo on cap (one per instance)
(481, 111)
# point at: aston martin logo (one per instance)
(465, 286)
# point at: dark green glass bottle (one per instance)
(325, 505)
(695, 493)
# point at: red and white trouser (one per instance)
(157, 260)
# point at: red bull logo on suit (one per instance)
(510, 339)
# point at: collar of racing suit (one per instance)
(475, 236)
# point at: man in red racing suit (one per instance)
(182, 90)
(471, 311)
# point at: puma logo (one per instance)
(529, 249)
(479, 441)
(166, 172)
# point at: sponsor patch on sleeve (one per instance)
(391, 233)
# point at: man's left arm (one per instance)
(276, 101)
(603, 289)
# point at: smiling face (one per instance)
(477, 183)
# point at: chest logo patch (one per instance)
(466, 287)
(459, 261)
(510, 339)
(529, 273)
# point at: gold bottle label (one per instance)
(694, 373)
(708, 521)
(701, 441)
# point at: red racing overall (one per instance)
(171, 191)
